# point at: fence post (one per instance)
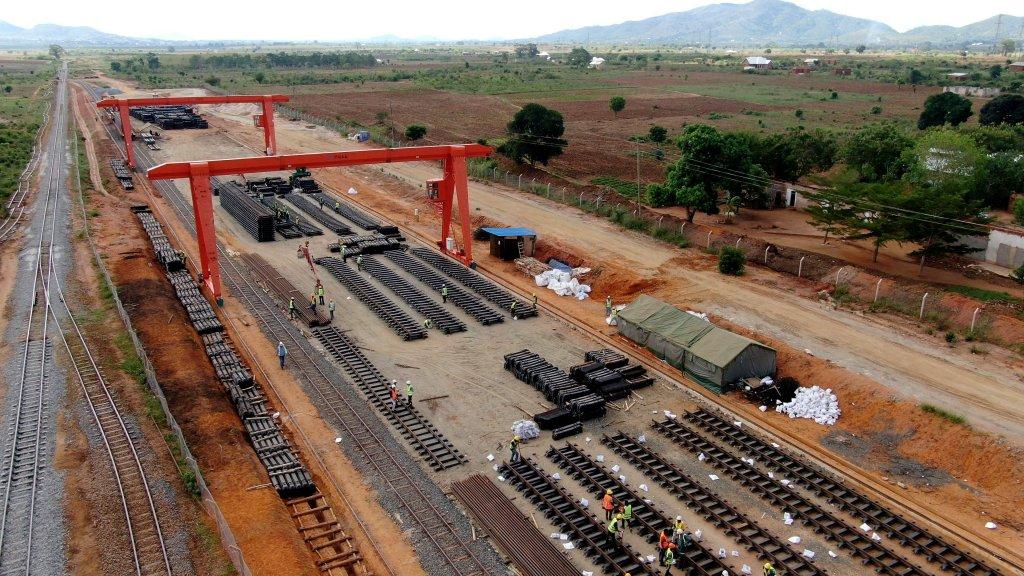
(924, 299)
(709, 239)
(878, 285)
(974, 318)
(800, 268)
(533, 184)
(738, 240)
(563, 194)
(581, 198)
(495, 177)
(549, 189)
(682, 227)
(520, 183)
(838, 272)
(766, 254)
(659, 221)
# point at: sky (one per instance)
(449, 20)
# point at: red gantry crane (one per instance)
(453, 185)
(264, 120)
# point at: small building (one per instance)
(757, 63)
(596, 62)
(1016, 66)
(801, 70)
(842, 71)
(957, 75)
(510, 243)
(713, 356)
(811, 62)
(975, 91)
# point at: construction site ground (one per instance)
(881, 374)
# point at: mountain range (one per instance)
(780, 23)
(756, 23)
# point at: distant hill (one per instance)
(776, 22)
(44, 34)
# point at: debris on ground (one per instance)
(818, 404)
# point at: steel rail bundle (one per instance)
(381, 305)
(413, 425)
(452, 550)
(476, 283)
(326, 220)
(531, 552)
(565, 511)
(149, 552)
(471, 304)
(345, 210)
(287, 222)
(263, 272)
(698, 560)
(712, 507)
(870, 551)
(893, 525)
(255, 218)
(418, 301)
(122, 173)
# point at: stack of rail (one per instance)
(712, 507)
(476, 283)
(288, 223)
(170, 117)
(608, 375)
(165, 253)
(288, 475)
(576, 402)
(410, 422)
(371, 244)
(303, 181)
(348, 212)
(254, 217)
(381, 305)
(311, 209)
(565, 511)
(648, 520)
(122, 173)
(274, 185)
(438, 315)
(531, 552)
(283, 289)
(468, 302)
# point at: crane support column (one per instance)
(269, 134)
(206, 233)
(455, 187)
(126, 131)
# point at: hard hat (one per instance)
(517, 437)
(408, 381)
(608, 491)
(679, 518)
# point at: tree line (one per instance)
(348, 59)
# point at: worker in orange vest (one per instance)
(664, 545)
(608, 504)
(394, 394)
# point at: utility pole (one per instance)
(999, 28)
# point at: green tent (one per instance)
(715, 357)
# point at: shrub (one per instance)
(1018, 211)
(876, 109)
(944, 414)
(951, 337)
(731, 260)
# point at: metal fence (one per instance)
(209, 503)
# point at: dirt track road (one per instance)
(987, 395)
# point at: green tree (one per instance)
(1018, 211)
(829, 212)
(579, 58)
(1008, 46)
(915, 77)
(657, 134)
(526, 51)
(1018, 275)
(860, 48)
(998, 177)
(875, 214)
(415, 131)
(115, 66)
(152, 61)
(259, 77)
(731, 261)
(8, 88)
(944, 108)
(941, 220)
(1004, 109)
(795, 153)
(995, 71)
(56, 51)
(617, 103)
(874, 152)
(943, 155)
(534, 135)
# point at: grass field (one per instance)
(22, 101)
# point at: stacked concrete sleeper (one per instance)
(288, 474)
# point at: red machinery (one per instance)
(454, 184)
(265, 120)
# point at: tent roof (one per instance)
(720, 346)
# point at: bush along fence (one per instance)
(227, 537)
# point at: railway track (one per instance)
(921, 541)
(443, 319)
(711, 507)
(396, 318)
(437, 450)
(473, 306)
(477, 283)
(565, 511)
(22, 465)
(697, 559)
(861, 545)
(450, 551)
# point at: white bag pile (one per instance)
(562, 283)
(818, 404)
(526, 429)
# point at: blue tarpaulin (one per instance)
(509, 232)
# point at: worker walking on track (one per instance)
(393, 391)
(312, 301)
(514, 447)
(320, 292)
(291, 308)
(769, 570)
(615, 531)
(607, 306)
(669, 561)
(444, 293)
(626, 509)
(608, 504)
(281, 353)
(330, 308)
(408, 392)
(359, 263)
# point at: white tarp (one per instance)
(562, 283)
(818, 404)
